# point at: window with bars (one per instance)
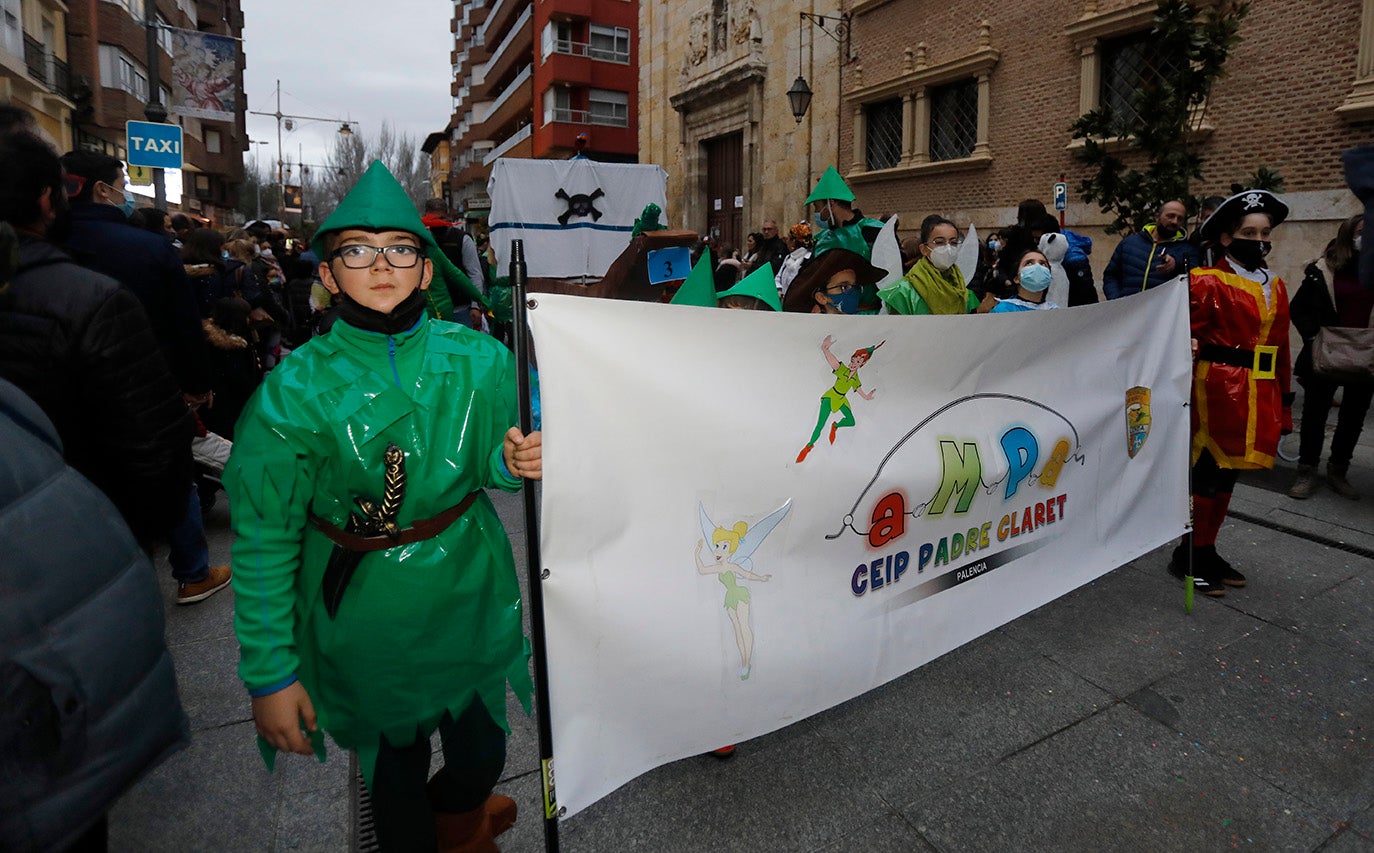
(953, 120)
(1127, 67)
(883, 121)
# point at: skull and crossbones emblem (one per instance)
(1253, 200)
(579, 205)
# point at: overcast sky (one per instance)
(345, 59)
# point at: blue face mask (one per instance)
(846, 302)
(224, 255)
(1035, 278)
(130, 202)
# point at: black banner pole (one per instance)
(519, 279)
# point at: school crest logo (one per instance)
(1137, 419)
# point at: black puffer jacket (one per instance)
(88, 696)
(81, 347)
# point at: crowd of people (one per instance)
(1242, 397)
(148, 354)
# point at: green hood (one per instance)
(758, 284)
(378, 202)
(700, 288)
(831, 185)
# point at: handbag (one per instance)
(1344, 354)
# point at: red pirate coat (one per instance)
(1242, 372)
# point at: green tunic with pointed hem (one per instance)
(424, 627)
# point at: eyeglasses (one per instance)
(941, 241)
(358, 256)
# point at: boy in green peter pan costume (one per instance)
(377, 597)
(841, 224)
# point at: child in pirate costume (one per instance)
(1241, 402)
(378, 599)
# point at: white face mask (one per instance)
(1359, 242)
(943, 257)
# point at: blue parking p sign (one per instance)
(1061, 196)
(153, 144)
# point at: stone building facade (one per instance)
(966, 111)
(714, 112)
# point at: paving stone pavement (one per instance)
(1106, 720)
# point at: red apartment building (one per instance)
(540, 79)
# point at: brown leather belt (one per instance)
(417, 532)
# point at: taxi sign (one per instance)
(153, 144)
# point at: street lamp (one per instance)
(799, 96)
(344, 130)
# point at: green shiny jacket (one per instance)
(422, 628)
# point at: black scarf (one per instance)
(401, 319)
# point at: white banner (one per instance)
(712, 579)
(575, 216)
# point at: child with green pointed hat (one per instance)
(840, 224)
(377, 599)
(757, 291)
(378, 202)
(700, 287)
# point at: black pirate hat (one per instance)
(1240, 205)
(801, 296)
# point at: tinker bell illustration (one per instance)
(836, 399)
(731, 549)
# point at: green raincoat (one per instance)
(422, 628)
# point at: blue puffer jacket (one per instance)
(88, 698)
(1135, 265)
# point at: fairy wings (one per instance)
(753, 537)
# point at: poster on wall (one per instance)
(204, 75)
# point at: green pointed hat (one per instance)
(758, 284)
(699, 289)
(831, 185)
(378, 202)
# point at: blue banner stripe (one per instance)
(549, 226)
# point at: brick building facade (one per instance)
(713, 81)
(107, 49)
(966, 112)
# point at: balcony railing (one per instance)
(567, 47)
(509, 91)
(566, 116)
(46, 68)
(513, 140)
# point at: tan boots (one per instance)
(475, 831)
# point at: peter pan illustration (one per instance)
(730, 561)
(836, 399)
